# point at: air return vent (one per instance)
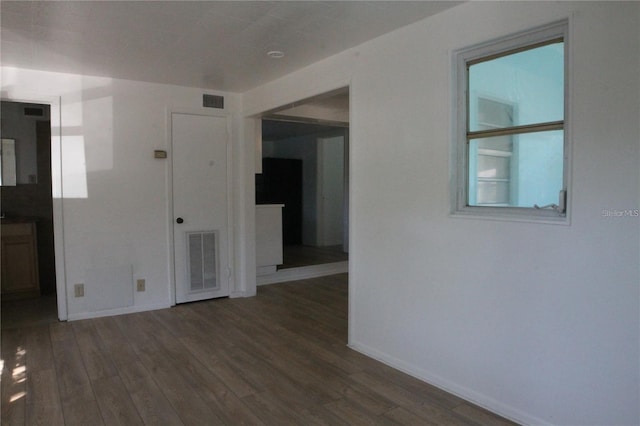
(202, 260)
(34, 112)
(213, 101)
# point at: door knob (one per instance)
(179, 220)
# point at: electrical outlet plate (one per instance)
(78, 290)
(140, 284)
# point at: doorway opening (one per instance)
(303, 168)
(28, 256)
(305, 171)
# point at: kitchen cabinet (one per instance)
(269, 252)
(19, 260)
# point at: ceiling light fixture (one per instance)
(275, 54)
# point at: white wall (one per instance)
(538, 322)
(113, 206)
(331, 186)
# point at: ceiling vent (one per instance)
(213, 101)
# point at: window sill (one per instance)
(512, 215)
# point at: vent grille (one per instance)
(213, 101)
(34, 112)
(202, 261)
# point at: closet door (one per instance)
(200, 206)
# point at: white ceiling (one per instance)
(208, 44)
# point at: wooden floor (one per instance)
(297, 256)
(29, 312)
(276, 359)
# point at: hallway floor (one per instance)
(296, 256)
(29, 312)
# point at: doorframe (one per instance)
(229, 268)
(255, 115)
(55, 118)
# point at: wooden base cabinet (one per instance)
(19, 260)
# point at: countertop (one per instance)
(8, 220)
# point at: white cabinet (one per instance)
(268, 237)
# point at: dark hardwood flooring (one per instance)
(276, 359)
(29, 312)
(297, 256)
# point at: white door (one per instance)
(200, 202)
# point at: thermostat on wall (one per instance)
(159, 154)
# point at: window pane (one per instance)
(525, 171)
(493, 167)
(493, 193)
(540, 167)
(490, 171)
(518, 89)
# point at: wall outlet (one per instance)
(78, 290)
(140, 284)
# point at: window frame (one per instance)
(461, 59)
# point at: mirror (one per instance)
(19, 150)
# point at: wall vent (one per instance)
(34, 112)
(202, 261)
(213, 101)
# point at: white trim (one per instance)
(169, 185)
(498, 213)
(118, 311)
(230, 267)
(463, 392)
(245, 196)
(351, 304)
(58, 215)
(304, 272)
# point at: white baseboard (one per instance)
(266, 270)
(118, 311)
(304, 272)
(465, 393)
